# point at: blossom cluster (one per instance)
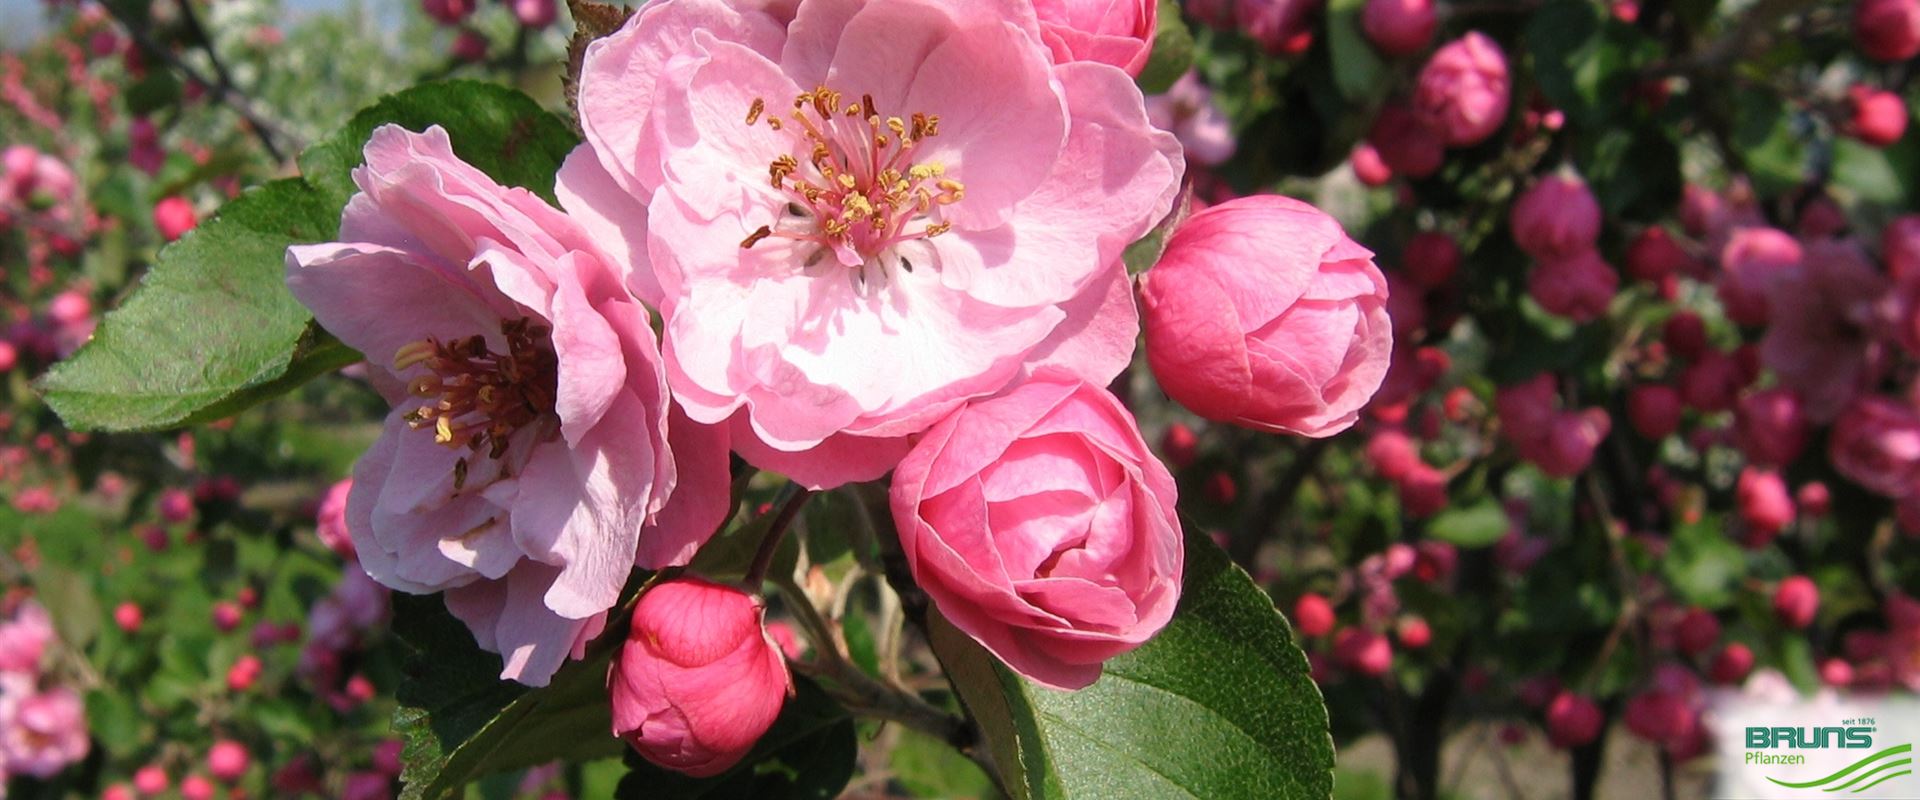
(877, 238)
(43, 726)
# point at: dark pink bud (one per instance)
(1654, 410)
(1179, 445)
(1578, 286)
(1731, 665)
(1312, 615)
(1764, 503)
(1887, 30)
(1413, 632)
(1368, 166)
(1399, 27)
(1770, 427)
(1654, 255)
(227, 760)
(1556, 218)
(1431, 259)
(1696, 632)
(1363, 652)
(151, 780)
(128, 617)
(173, 217)
(1795, 601)
(1879, 117)
(1392, 454)
(1573, 720)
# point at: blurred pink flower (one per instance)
(1188, 112)
(41, 732)
(1465, 89)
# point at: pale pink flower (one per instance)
(530, 502)
(1042, 526)
(1116, 32)
(1187, 110)
(857, 221)
(330, 521)
(24, 638)
(41, 732)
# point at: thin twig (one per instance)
(270, 133)
(763, 558)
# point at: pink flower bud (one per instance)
(1413, 632)
(447, 12)
(1875, 442)
(1556, 217)
(1764, 503)
(1369, 167)
(1814, 499)
(174, 216)
(1900, 245)
(1423, 491)
(1711, 383)
(244, 672)
(1654, 255)
(1770, 427)
(1280, 26)
(1836, 672)
(1654, 409)
(470, 46)
(1103, 31)
(1431, 259)
(1464, 90)
(1363, 652)
(1795, 601)
(176, 506)
(151, 780)
(1399, 27)
(1696, 632)
(1245, 281)
(1887, 30)
(698, 680)
(330, 521)
(1405, 142)
(535, 13)
(1578, 287)
(1572, 720)
(1751, 262)
(1179, 445)
(128, 617)
(1685, 335)
(1659, 716)
(1392, 454)
(196, 787)
(1879, 117)
(1312, 615)
(227, 760)
(226, 616)
(118, 791)
(1731, 665)
(387, 757)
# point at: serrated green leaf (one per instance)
(211, 329)
(1478, 525)
(461, 721)
(1217, 706)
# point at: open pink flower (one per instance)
(1876, 443)
(526, 466)
(856, 221)
(1040, 524)
(41, 732)
(24, 638)
(1117, 32)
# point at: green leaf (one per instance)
(501, 131)
(1478, 525)
(1217, 706)
(211, 330)
(461, 721)
(1702, 565)
(927, 767)
(1172, 51)
(1357, 69)
(808, 754)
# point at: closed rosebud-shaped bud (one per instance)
(447, 12)
(1369, 167)
(1312, 615)
(698, 680)
(1750, 264)
(1875, 442)
(1464, 90)
(1568, 447)
(1887, 30)
(1392, 454)
(1363, 652)
(1770, 427)
(1578, 287)
(1795, 601)
(1572, 720)
(1406, 144)
(535, 13)
(1731, 665)
(1658, 716)
(1109, 32)
(1654, 410)
(1280, 26)
(173, 217)
(1879, 117)
(1413, 632)
(1180, 446)
(1262, 313)
(1556, 217)
(1764, 503)
(1685, 335)
(1431, 259)
(227, 760)
(1040, 525)
(1399, 27)
(1813, 499)
(1423, 491)
(1711, 383)
(1654, 255)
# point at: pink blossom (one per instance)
(528, 504)
(1900, 246)
(535, 13)
(1406, 142)
(227, 760)
(1753, 260)
(1313, 615)
(1282, 27)
(830, 322)
(1116, 32)
(330, 522)
(196, 787)
(1363, 652)
(1040, 524)
(1399, 27)
(1887, 30)
(1879, 117)
(1654, 409)
(1264, 314)
(1187, 110)
(698, 680)
(1464, 90)
(24, 639)
(1764, 503)
(1770, 427)
(1654, 255)
(1795, 601)
(41, 732)
(1875, 442)
(173, 217)
(1573, 720)
(1578, 287)
(1557, 217)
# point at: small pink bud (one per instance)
(1879, 117)
(1654, 255)
(1795, 601)
(1814, 499)
(387, 756)
(698, 680)
(1399, 27)
(226, 616)
(118, 791)
(227, 760)
(1764, 503)
(447, 12)
(1221, 489)
(174, 216)
(1464, 90)
(1836, 672)
(1312, 615)
(1770, 427)
(1431, 259)
(470, 46)
(1731, 665)
(244, 672)
(1180, 446)
(196, 787)
(1696, 632)
(1423, 491)
(128, 617)
(1685, 335)
(1363, 652)
(150, 780)
(534, 13)
(1413, 632)
(176, 506)
(1369, 167)
(1578, 286)
(1659, 716)
(1654, 410)
(1556, 218)
(1405, 143)
(1887, 30)
(1392, 454)
(1572, 720)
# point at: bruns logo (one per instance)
(1810, 738)
(1859, 775)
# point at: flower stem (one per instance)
(763, 558)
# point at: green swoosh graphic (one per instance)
(1883, 780)
(1896, 749)
(1898, 762)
